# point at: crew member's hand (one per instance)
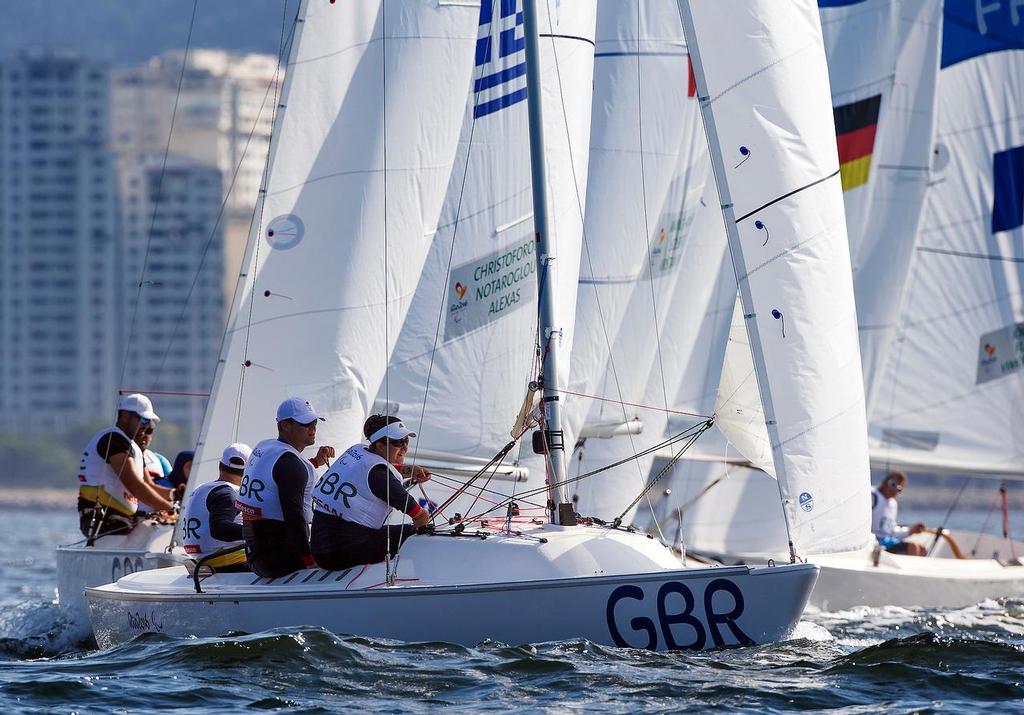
(164, 517)
(179, 493)
(323, 457)
(417, 474)
(421, 519)
(917, 528)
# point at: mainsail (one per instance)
(770, 129)
(466, 354)
(361, 155)
(952, 395)
(649, 164)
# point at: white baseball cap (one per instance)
(393, 430)
(298, 409)
(235, 455)
(139, 404)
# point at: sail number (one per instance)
(680, 626)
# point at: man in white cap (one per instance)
(110, 475)
(353, 499)
(211, 519)
(274, 496)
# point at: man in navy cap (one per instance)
(275, 493)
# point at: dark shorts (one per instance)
(95, 522)
(338, 544)
(268, 550)
(900, 548)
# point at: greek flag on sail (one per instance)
(500, 58)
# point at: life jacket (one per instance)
(258, 497)
(152, 467)
(883, 516)
(197, 540)
(344, 490)
(100, 483)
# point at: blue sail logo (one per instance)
(500, 58)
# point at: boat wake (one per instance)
(35, 629)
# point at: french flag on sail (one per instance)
(500, 58)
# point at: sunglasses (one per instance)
(396, 443)
(144, 420)
(897, 486)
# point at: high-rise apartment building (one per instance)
(172, 242)
(58, 352)
(223, 118)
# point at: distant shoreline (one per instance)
(33, 498)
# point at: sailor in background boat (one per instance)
(155, 467)
(353, 498)
(275, 493)
(211, 520)
(111, 479)
(884, 526)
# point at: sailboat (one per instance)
(894, 201)
(321, 314)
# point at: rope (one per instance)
(942, 526)
(984, 526)
(685, 435)
(664, 470)
(632, 404)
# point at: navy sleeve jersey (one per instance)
(290, 475)
(386, 487)
(112, 443)
(220, 503)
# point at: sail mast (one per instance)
(547, 330)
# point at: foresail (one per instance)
(466, 355)
(952, 396)
(361, 154)
(883, 67)
(645, 138)
(762, 78)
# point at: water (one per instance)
(862, 660)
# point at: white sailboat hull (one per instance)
(848, 580)
(577, 584)
(111, 557)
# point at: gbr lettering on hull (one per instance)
(676, 617)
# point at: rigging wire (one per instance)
(159, 193)
(585, 243)
(942, 526)
(259, 208)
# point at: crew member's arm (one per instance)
(290, 475)
(220, 503)
(386, 487)
(131, 477)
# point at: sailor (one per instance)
(179, 473)
(211, 520)
(353, 499)
(274, 495)
(111, 481)
(891, 536)
(155, 467)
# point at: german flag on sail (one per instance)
(855, 134)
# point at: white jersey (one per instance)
(151, 465)
(344, 490)
(883, 517)
(99, 482)
(197, 539)
(258, 497)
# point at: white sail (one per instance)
(761, 71)
(883, 66)
(645, 136)
(952, 396)
(466, 354)
(361, 156)
(692, 344)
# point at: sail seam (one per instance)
(786, 196)
(734, 85)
